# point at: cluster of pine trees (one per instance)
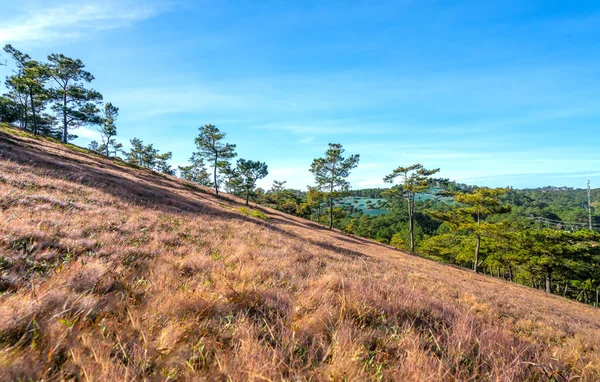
(49, 98)
(484, 229)
(480, 229)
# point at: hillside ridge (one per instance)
(91, 247)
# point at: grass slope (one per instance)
(109, 272)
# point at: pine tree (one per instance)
(29, 81)
(471, 216)
(196, 172)
(249, 173)
(75, 105)
(9, 110)
(314, 199)
(415, 179)
(161, 163)
(212, 148)
(94, 146)
(147, 156)
(331, 172)
(108, 128)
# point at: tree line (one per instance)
(489, 230)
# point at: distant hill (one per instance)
(112, 272)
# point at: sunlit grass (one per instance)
(111, 273)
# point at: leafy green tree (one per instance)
(94, 146)
(30, 79)
(108, 128)
(147, 156)
(9, 110)
(161, 162)
(116, 148)
(471, 217)
(196, 172)
(397, 241)
(15, 102)
(331, 172)
(550, 251)
(277, 191)
(250, 172)
(212, 148)
(232, 180)
(415, 179)
(314, 199)
(75, 105)
(589, 260)
(140, 154)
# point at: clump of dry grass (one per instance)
(110, 273)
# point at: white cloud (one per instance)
(87, 133)
(34, 22)
(296, 177)
(375, 182)
(307, 140)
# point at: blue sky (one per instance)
(494, 93)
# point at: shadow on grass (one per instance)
(141, 187)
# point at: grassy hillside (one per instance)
(109, 272)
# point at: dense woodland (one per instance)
(536, 237)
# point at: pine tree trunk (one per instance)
(410, 223)
(247, 196)
(215, 175)
(35, 127)
(65, 127)
(476, 262)
(549, 280)
(478, 246)
(24, 114)
(330, 213)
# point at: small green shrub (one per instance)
(253, 213)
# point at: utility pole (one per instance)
(589, 203)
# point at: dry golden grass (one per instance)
(109, 272)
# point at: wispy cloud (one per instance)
(296, 177)
(373, 182)
(87, 133)
(307, 140)
(36, 22)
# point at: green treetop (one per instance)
(249, 173)
(471, 216)
(196, 172)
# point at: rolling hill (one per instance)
(112, 272)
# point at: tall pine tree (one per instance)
(75, 105)
(212, 148)
(414, 179)
(331, 171)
